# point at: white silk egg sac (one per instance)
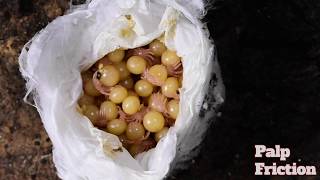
(52, 62)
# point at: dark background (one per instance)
(269, 52)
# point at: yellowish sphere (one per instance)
(90, 89)
(170, 87)
(127, 83)
(108, 75)
(116, 126)
(92, 112)
(157, 47)
(135, 149)
(135, 131)
(153, 121)
(118, 94)
(143, 88)
(136, 64)
(170, 58)
(159, 72)
(173, 108)
(85, 100)
(161, 134)
(154, 104)
(122, 68)
(131, 105)
(109, 109)
(116, 56)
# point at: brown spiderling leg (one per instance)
(124, 116)
(137, 117)
(146, 136)
(147, 144)
(175, 70)
(143, 146)
(146, 54)
(158, 102)
(153, 80)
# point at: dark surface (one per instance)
(25, 149)
(269, 53)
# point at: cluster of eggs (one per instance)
(119, 99)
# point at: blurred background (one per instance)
(269, 52)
